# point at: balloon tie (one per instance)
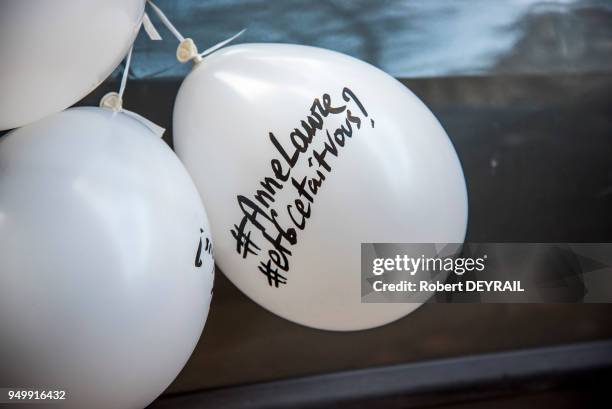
(114, 100)
(166, 21)
(187, 49)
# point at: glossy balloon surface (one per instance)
(53, 53)
(105, 271)
(301, 154)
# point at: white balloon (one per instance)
(104, 287)
(396, 179)
(53, 53)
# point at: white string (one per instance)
(126, 71)
(153, 127)
(150, 28)
(166, 22)
(187, 49)
(114, 100)
(222, 43)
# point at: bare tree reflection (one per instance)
(404, 37)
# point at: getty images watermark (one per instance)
(486, 272)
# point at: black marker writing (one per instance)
(259, 212)
(206, 246)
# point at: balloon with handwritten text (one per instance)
(301, 154)
(106, 260)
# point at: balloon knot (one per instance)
(187, 51)
(112, 101)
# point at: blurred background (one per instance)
(406, 38)
(524, 90)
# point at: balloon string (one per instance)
(187, 50)
(221, 44)
(166, 22)
(114, 100)
(126, 71)
(150, 28)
